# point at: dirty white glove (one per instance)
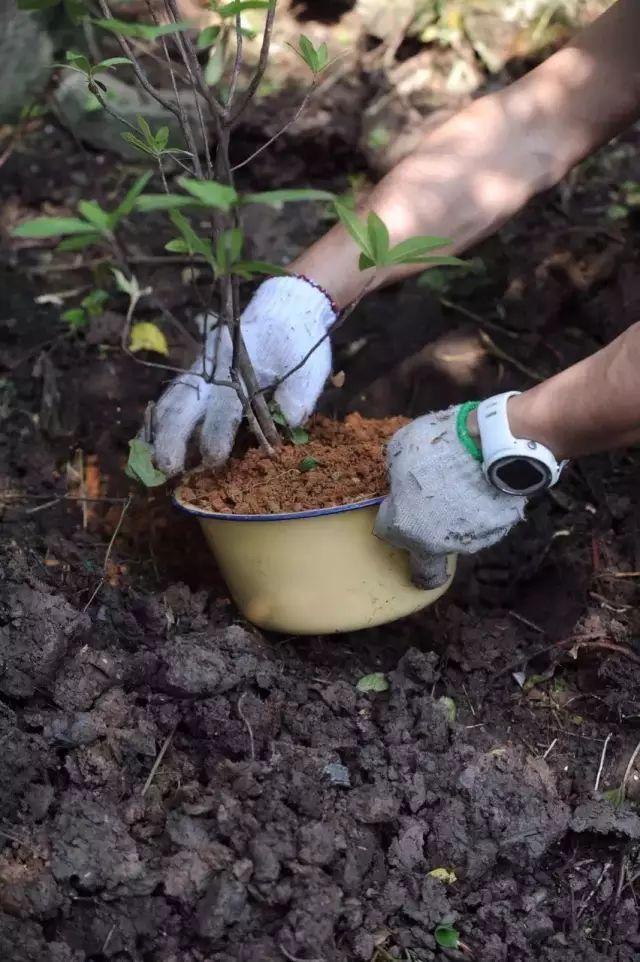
(440, 501)
(282, 322)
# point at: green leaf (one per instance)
(78, 60)
(207, 37)
(195, 243)
(128, 285)
(216, 63)
(141, 31)
(239, 6)
(148, 337)
(146, 203)
(378, 239)
(161, 138)
(111, 62)
(365, 262)
(375, 682)
(355, 226)
(75, 318)
(93, 212)
(276, 198)
(307, 464)
(322, 53)
(138, 143)
(52, 227)
(79, 242)
(248, 268)
(300, 436)
(278, 416)
(143, 124)
(177, 246)
(447, 937)
(308, 53)
(94, 302)
(415, 247)
(128, 202)
(210, 192)
(228, 248)
(140, 465)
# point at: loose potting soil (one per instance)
(342, 462)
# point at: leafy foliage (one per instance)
(146, 336)
(446, 936)
(140, 465)
(95, 225)
(375, 682)
(372, 237)
(316, 58)
(307, 464)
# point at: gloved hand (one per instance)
(282, 322)
(440, 501)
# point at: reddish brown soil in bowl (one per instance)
(350, 467)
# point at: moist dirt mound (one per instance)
(290, 817)
(341, 463)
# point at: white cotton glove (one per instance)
(440, 501)
(282, 322)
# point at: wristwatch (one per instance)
(513, 465)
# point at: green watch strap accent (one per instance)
(467, 442)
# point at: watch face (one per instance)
(520, 475)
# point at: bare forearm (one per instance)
(593, 406)
(477, 169)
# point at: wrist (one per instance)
(527, 420)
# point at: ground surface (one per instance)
(175, 786)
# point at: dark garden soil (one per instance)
(334, 463)
(176, 786)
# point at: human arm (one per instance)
(440, 500)
(591, 407)
(474, 171)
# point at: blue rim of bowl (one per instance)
(292, 516)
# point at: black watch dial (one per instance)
(520, 475)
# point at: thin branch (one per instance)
(158, 761)
(108, 553)
(191, 62)
(144, 81)
(237, 63)
(97, 93)
(247, 726)
(280, 132)
(262, 65)
(602, 758)
(629, 768)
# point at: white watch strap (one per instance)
(498, 442)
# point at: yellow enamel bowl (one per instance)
(313, 572)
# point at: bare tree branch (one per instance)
(282, 130)
(144, 81)
(236, 64)
(262, 64)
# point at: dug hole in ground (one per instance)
(177, 786)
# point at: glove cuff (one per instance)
(319, 287)
(292, 297)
